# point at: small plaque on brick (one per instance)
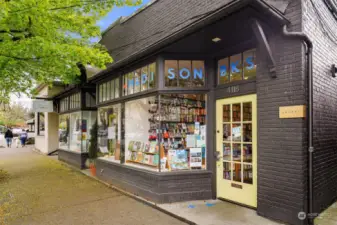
(296, 111)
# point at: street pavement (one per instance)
(43, 191)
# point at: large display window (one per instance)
(183, 132)
(141, 127)
(88, 120)
(109, 132)
(74, 130)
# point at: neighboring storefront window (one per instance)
(90, 99)
(40, 121)
(87, 123)
(183, 128)
(237, 67)
(75, 135)
(109, 90)
(184, 73)
(64, 131)
(64, 104)
(139, 80)
(141, 124)
(109, 132)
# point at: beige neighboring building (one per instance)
(46, 123)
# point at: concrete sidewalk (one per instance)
(43, 191)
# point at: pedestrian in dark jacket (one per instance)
(9, 137)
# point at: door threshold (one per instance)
(237, 203)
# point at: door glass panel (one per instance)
(237, 142)
(248, 174)
(227, 171)
(227, 132)
(247, 153)
(236, 172)
(247, 132)
(247, 111)
(226, 113)
(227, 152)
(236, 132)
(237, 152)
(236, 111)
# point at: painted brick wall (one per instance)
(282, 166)
(320, 26)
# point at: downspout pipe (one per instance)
(303, 37)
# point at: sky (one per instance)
(104, 23)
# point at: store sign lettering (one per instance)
(143, 80)
(234, 66)
(185, 73)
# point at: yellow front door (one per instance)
(236, 144)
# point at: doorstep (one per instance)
(203, 212)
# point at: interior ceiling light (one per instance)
(216, 39)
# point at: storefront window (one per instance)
(75, 135)
(237, 67)
(139, 80)
(109, 132)
(87, 123)
(183, 128)
(64, 131)
(40, 119)
(184, 73)
(90, 99)
(141, 124)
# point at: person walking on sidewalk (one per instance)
(9, 137)
(23, 137)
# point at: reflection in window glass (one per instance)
(171, 73)
(141, 123)
(144, 78)
(125, 85)
(130, 83)
(108, 94)
(184, 75)
(100, 93)
(87, 123)
(64, 131)
(249, 58)
(136, 81)
(223, 71)
(117, 88)
(75, 135)
(236, 67)
(109, 132)
(198, 68)
(152, 75)
(183, 118)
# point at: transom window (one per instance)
(184, 73)
(237, 67)
(109, 90)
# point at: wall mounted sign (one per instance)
(39, 105)
(296, 111)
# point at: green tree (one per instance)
(15, 114)
(43, 40)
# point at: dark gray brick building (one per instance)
(233, 79)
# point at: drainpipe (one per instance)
(301, 36)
